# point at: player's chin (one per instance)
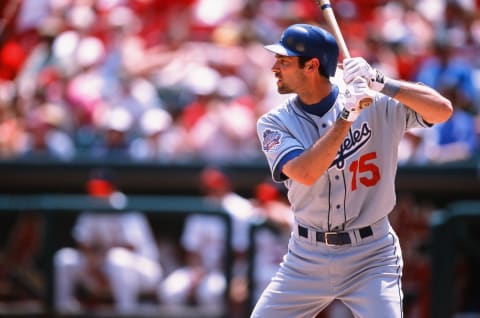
(283, 90)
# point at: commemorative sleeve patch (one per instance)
(271, 139)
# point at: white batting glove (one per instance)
(357, 97)
(357, 67)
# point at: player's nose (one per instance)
(275, 67)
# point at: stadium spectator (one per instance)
(13, 134)
(115, 133)
(46, 135)
(151, 144)
(456, 139)
(218, 138)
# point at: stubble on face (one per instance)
(288, 75)
(282, 88)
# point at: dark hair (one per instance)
(302, 60)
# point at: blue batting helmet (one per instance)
(310, 41)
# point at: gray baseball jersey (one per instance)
(358, 188)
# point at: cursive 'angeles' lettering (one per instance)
(355, 140)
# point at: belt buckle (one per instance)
(327, 234)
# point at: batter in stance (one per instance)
(338, 162)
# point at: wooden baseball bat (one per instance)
(329, 17)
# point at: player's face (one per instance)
(290, 76)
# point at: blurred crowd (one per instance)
(180, 80)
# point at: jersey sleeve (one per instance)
(277, 142)
(414, 119)
(398, 114)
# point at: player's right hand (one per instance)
(357, 97)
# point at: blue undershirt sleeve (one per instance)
(277, 174)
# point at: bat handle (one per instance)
(327, 10)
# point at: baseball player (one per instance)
(335, 151)
(202, 281)
(116, 256)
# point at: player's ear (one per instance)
(313, 64)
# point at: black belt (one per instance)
(335, 238)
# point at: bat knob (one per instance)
(365, 102)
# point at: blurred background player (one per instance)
(201, 281)
(116, 257)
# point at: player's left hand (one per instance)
(357, 97)
(357, 67)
